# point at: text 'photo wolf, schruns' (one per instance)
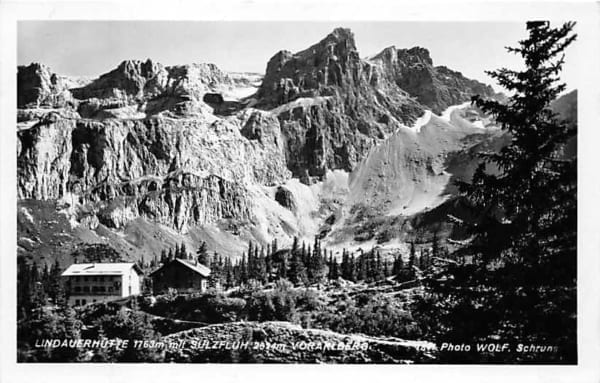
(335, 208)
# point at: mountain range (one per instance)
(360, 152)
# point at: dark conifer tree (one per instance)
(379, 272)
(316, 267)
(23, 287)
(372, 270)
(45, 279)
(435, 244)
(401, 272)
(236, 271)
(334, 269)
(353, 268)
(243, 270)
(386, 268)
(297, 270)
(183, 253)
(345, 273)
(516, 276)
(250, 258)
(261, 266)
(425, 259)
(303, 253)
(202, 254)
(268, 265)
(55, 288)
(362, 266)
(396, 264)
(216, 271)
(412, 257)
(229, 274)
(36, 292)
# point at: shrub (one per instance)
(278, 304)
(377, 315)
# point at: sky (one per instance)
(90, 48)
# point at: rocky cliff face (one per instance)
(337, 105)
(131, 78)
(148, 144)
(435, 87)
(38, 87)
(331, 65)
(171, 171)
(140, 89)
(333, 108)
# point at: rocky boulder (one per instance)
(285, 198)
(213, 98)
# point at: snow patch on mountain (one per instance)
(401, 176)
(239, 93)
(422, 121)
(447, 114)
(302, 102)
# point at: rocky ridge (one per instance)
(337, 104)
(334, 108)
(437, 87)
(163, 144)
(38, 87)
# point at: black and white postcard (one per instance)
(342, 192)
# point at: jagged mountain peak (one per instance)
(339, 37)
(201, 72)
(134, 129)
(34, 66)
(341, 33)
(38, 86)
(387, 54)
(132, 70)
(148, 87)
(409, 56)
(333, 65)
(436, 87)
(142, 68)
(416, 53)
(330, 63)
(339, 41)
(131, 78)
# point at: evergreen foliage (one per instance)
(515, 279)
(202, 254)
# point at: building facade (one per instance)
(101, 282)
(181, 275)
